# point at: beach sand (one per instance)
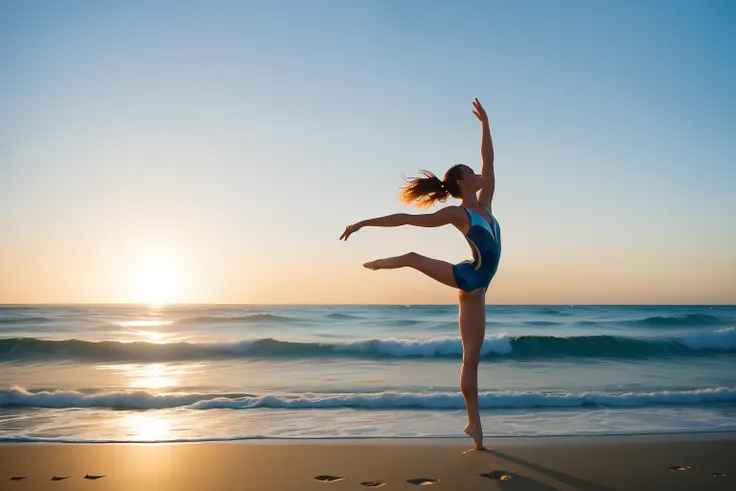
(588, 463)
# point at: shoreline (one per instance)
(511, 440)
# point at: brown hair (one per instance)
(425, 191)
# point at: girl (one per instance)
(475, 220)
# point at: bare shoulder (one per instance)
(451, 211)
(453, 214)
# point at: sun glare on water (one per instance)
(146, 426)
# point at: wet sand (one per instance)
(701, 461)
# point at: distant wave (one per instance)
(527, 347)
(341, 315)
(550, 311)
(241, 319)
(398, 322)
(688, 320)
(654, 322)
(20, 397)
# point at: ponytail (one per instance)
(424, 191)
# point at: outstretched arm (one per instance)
(486, 152)
(449, 214)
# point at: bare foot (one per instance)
(477, 434)
(377, 264)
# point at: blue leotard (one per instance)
(485, 241)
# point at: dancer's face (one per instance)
(471, 181)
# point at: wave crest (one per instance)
(140, 399)
(527, 347)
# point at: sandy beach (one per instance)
(601, 463)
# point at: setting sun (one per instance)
(157, 283)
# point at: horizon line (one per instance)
(175, 304)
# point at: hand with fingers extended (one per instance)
(479, 112)
(350, 229)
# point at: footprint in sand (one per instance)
(679, 467)
(373, 484)
(60, 478)
(328, 478)
(497, 475)
(423, 481)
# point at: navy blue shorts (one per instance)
(468, 278)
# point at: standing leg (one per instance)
(472, 321)
(434, 268)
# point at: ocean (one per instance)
(124, 373)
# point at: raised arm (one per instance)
(447, 215)
(486, 151)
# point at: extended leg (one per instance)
(472, 321)
(434, 268)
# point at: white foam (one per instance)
(437, 346)
(139, 399)
(18, 396)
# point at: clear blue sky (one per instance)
(218, 149)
